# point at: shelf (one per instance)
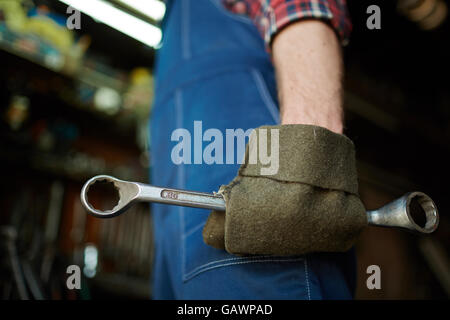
(40, 56)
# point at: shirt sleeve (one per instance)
(271, 16)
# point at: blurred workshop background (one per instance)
(74, 103)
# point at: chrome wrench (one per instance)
(395, 214)
(131, 192)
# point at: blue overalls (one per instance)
(213, 68)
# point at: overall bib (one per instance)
(213, 72)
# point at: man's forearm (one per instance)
(308, 62)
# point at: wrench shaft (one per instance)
(181, 197)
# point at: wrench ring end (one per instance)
(127, 193)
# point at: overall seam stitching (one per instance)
(179, 123)
(193, 229)
(228, 259)
(307, 279)
(267, 99)
(192, 275)
(185, 30)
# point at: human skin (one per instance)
(308, 61)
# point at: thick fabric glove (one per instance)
(310, 205)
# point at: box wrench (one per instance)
(394, 214)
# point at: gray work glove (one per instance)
(310, 204)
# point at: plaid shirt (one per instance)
(270, 16)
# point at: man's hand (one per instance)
(308, 63)
(310, 205)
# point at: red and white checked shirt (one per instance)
(270, 16)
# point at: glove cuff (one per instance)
(306, 154)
